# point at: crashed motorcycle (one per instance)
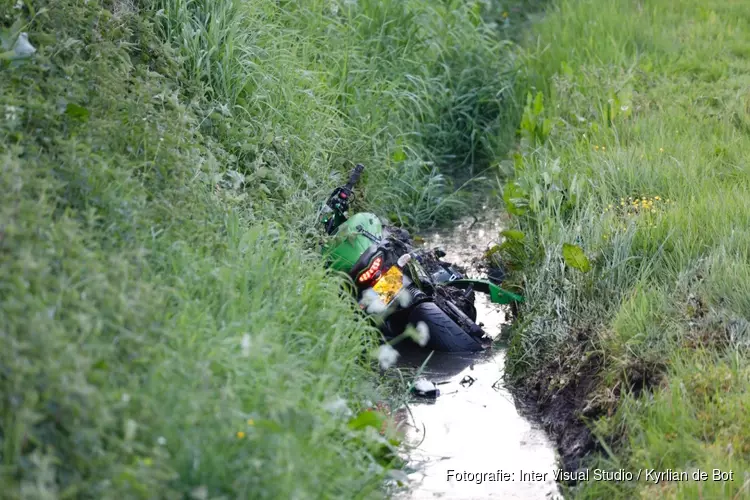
(401, 283)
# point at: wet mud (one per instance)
(563, 409)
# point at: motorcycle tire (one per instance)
(445, 334)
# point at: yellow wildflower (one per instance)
(250, 422)
(240, 435)
(657, 198)
(622, 203)
(596, 148)
(661, 150)
(604, 148)
(505, 14)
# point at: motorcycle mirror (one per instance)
(403, 260)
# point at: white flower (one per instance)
(161, 441)
(11, 113)
(338, 406)
(125, 397)
(422, 335)
(371, 302)
(404, 298)
(23, 48)
(387, 356)
(245, 345)
(376, 307)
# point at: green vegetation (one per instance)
(631, 192)
(165, 321)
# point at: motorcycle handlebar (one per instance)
(355, 174)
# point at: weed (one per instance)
(166, 324)
(642, 173)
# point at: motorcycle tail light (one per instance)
(371, 270)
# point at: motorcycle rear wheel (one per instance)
(445, 334)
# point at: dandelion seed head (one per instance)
(404, 299)
(422, 335)
(387, 356)
(371, 302)
(338, 406)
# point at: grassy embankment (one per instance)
(643, 164)
(165, 323)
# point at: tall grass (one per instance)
(641, 101)
(400, 83)
(166, 326)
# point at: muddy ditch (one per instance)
(562, 397)
(566, 395)
(476, 425)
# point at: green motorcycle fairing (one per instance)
(497, 294)
(351, 239)
(361, 231)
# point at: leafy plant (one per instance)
(515, 198)
(575, 257)
(535, 127)
(162, 162)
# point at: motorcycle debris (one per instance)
(425, 389)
